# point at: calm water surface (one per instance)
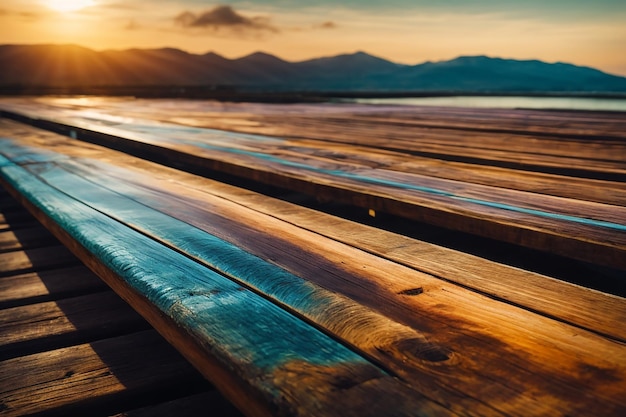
(570, 103)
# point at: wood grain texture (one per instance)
(394, 346)
(165, 189)
(594, 136)
(572, 224)
(112, 370)
(47, 285)
(480, 354)
(74, 317)
(45, 326)
(238, 330)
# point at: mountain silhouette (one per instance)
(76, 66)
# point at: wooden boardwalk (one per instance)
(70, 346)
(554, 190)
(293, 311)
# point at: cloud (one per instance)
(327, 25)
(224, 18)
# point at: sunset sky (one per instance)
(591, 33)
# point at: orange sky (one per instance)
(405, 31)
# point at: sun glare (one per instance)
(68, 5)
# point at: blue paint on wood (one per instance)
(200, 139)
(414, 187)
(281, 286)
(234, 324)
(20, 155)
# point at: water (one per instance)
(568, 103)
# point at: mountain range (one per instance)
(76, 66)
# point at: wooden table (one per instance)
(292, 311)
(556, 186)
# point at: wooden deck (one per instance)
(292, 311)
(70, 346)
(554, 190)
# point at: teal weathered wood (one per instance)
(501, 358)
(283, 287)
(258, 342)
(136, 201)
(338, 315)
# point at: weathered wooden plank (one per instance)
(592, 137)
(562, 123)
(18, 262)
(536, 293)
(470, 141)
(559, 124)
(114, 372)
(478, 273)
(49, 285)
(47, 326)
(469, 270)
(583, 230)
(318, 123)
(387, 286)
(608, 192)
(54, 324)
(593, 310)
(235, 334)
(512, 349)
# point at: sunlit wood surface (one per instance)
(287, 308)
(70, 346)
(547, 180)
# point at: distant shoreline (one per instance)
(254, 95)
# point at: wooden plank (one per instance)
(470, 261)
(608, 192)
(45, 326)
(231, 115)
(591, 136)
(559, 124)
(532, 349)
(593, 310)
(235, 334)
(472, 142)
(485, 128)
(578, 229)
(582, 230)
(468, 270)
(73, 319)
(49, 285)
(113, 371)
(319, 124)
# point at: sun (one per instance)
(68, 5)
